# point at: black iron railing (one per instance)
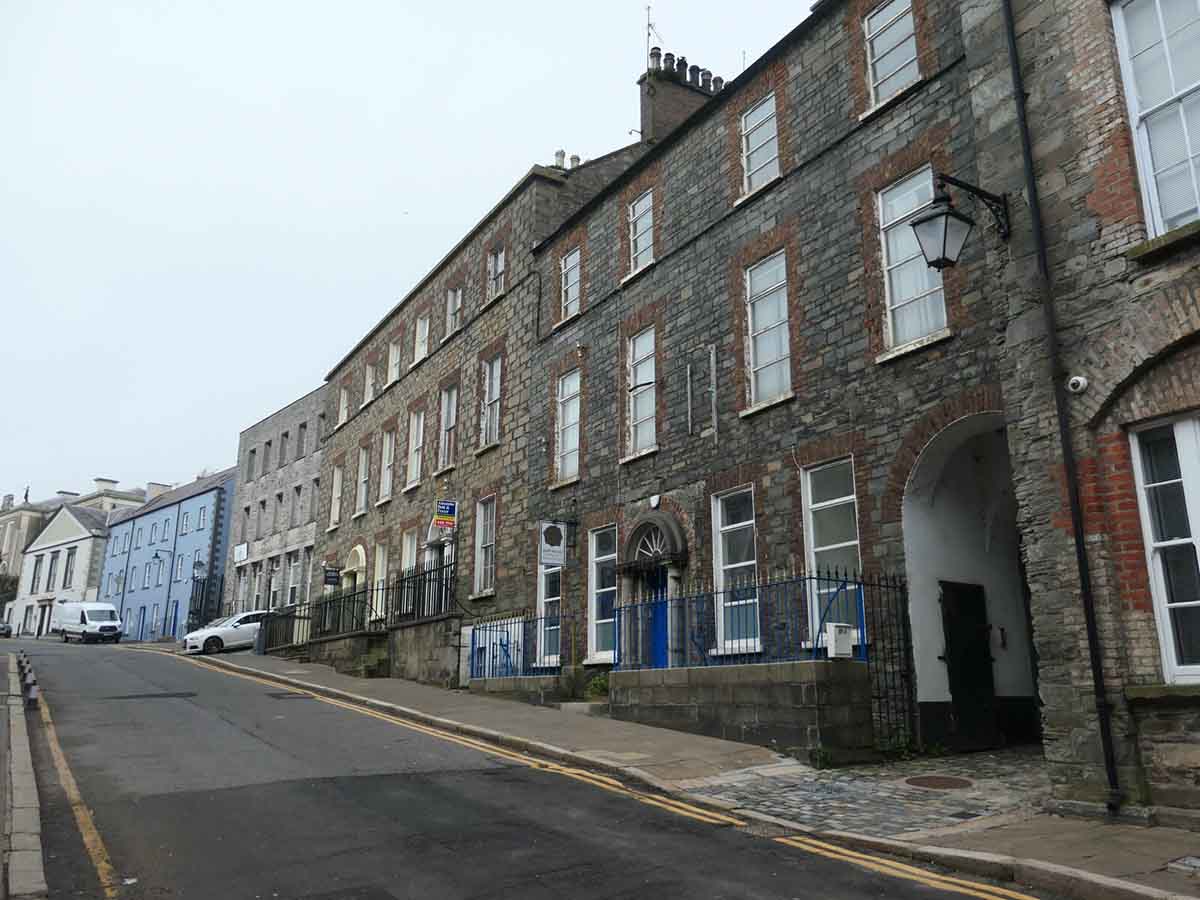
(522, 645)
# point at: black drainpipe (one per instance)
(1064, 426)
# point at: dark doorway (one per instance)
(43, 616)
(654, 592)
(968, 659)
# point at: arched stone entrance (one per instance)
(655, 557)
(354, 572)
(968, 602)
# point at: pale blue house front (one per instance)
(164, 562)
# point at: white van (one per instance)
(86, 622)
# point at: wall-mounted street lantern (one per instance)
(942, 231)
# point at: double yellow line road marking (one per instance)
(881, 865)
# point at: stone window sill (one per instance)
(649, 451)
(767, 404)
(487, 448)
(566, 482)
(444, 470)
(417, 362)
(564, 322)
(358, 515)
(634, 275)
(382, 500)
(450, 334)
(333, 527)
(1164, 695)
(1157, 248)
(891, 101)
(489, 594)
(602, 658)
(490, 300)
(754, 647)
(409, 488)
(913, 346)
(762, 188)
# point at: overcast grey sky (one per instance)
(205, 203)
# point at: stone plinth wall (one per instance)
(427, 652)
(346, 655)
(818, 710)
(530, 688)
(1168, 737)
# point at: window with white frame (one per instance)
(641, 231)
(196, 568)
(364, 478)
(569, 265)
(602, 592)
(549, 625)
(495, 273)
(735, 570)
(202, 518)
(489, 420)
(381, 565)
(421, 340)
(416, 442)
(179, 567)
(916, 307)
(760, 145)
(387, 464)
(831, 543)
(137, 538)
(454, 302)
(153, 532)
(447, 441)
(393, 361)
(368, 384)
(158, 574)
(146, 576)
(335, 498)
(408, 550)
(485, 545)
(69, 568)
(343, 406)
(293, 578)
(1159, 46)
(891, 49)
(185, 525)
(568, 425)
(643, 393)
(767, 323)
(1167, 473)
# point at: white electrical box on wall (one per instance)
(839, 639)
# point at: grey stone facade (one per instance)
(273, 526)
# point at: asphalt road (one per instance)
(205, 785)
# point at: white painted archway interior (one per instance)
(354, 573)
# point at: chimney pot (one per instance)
(655, 58)
(8, 502)
(706, 80)
(574, 160)
(694, 76)
(681, 68)
(560, 158)
(105, 484)
(718, 84)
(669, 63)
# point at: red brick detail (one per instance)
(365, 440)
(985, 398)
(1117, 196)
(572, 359)
(650, 314)
(771, 78)
(647, 179)
(860, 76)
(784, 236)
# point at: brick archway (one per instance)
(983, 399)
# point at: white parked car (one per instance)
(233, 631)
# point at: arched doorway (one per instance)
(655, 556)
(354, 572)
(968, 601)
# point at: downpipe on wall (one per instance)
(1046, 290)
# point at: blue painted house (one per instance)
(164, 562)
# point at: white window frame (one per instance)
(368, 384)
(447, 435)
(393, 362)
(870, 35)
(721, 574)
(568, 453)
(815, 595)
(381, 566)
(491, 377)
(454, 305)
(1187, 446)
(1139, 119)
(158, 574)
(416, 447)
(888, 265)
(387, 464)
(495, 273)
(364, 481)
(202, 518)
(179, 567)
(594, 563)
(343, 406)
(420, 340)
(293, 578)
(635, 391)
(153, 533)
(747, 149)
(146, 576)
(544, 656)
(185, 525)
(335, 498)
(408, 550)
(570, 272)
(751, 299)
(195, 559)
(641, 225)
(485, 543)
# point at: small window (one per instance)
(294, 517)
(916, 307)
(393, 361)
(364, 477)
(641, 231)
(760, 145)
(767, 324)
(146, 577)
(335, 500)
(301, 440)
(568, 425)
(485, 545)
(185, 524)
(642, 393)
(153, 532)
(489, 422)
(454, 300)
(343, 406)
(570, 283)
(891, 49)
(179, 567)
(416, 443)
(421, 340)
(202, 518)
(137, 538)
(69, 568)
(250, 464)
(266, 460)
(448, 444)
(735, 568)
(368, 384)
(283, 450)
(387, 464)
(495, 273)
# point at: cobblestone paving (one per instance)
(876, 800)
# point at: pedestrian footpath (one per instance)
(979, 812)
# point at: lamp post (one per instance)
(942, 231)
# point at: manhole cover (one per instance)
(938, 782)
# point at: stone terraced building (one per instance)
(726, 357)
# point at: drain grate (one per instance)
(939, 782)
(178, 695)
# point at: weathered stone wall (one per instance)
(428, 652)
(347, 655)
(819, 710)
(1168, 722)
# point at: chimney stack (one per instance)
(574, 160)
(718, 84)
(681, 68)
(694, 76)
(671, 91)
(655, 59)
(155, 489)
(8, 502)
(560, 158)
(669, 63)
(706, 80)
(104, 484)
